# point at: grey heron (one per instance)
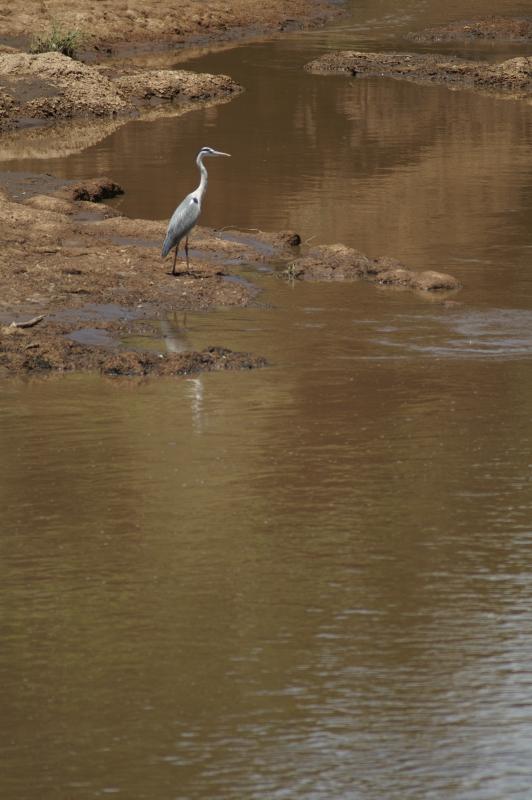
(187, 213)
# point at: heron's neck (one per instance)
(203, 182)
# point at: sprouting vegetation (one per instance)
(291, 272)
(58, 40)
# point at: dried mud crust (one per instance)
(492, 28)
(38, 89)
(107, 22)
(513, 76)
(73, 260)
(340, 263)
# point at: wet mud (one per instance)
(512, 77)
(493, 28)
(55, 349)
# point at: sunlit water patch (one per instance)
(497, 333)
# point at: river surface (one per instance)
(312, 581)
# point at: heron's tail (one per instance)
(167, 246)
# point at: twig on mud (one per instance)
(28, 323)
(235, 228)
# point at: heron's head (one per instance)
(209, 151)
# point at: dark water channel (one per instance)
(315, 580)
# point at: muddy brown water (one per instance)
(314, 580)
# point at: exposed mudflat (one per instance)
(513, 76)
(493, 28)
(72, 260)
(108, 25)
(37, 89)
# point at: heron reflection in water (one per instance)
(187, 213)
(175, 335)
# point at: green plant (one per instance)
(58, 40)
(291, 272)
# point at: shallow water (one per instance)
(314, 580)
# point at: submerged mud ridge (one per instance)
(512, 76)
(70, 261)
(339, 263)
(493, 28)
(37, 89)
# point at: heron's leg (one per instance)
(186, 251)
(175, 259)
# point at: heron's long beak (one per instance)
(219, 153)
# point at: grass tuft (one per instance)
(58, 40)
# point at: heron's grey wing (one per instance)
(183, 220)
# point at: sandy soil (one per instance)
(107, 23)
(494, 28)
(512, 77)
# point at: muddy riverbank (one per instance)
(512, 77)
(52, 91)
(38, 89)
(108, 27)
(96, 277)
